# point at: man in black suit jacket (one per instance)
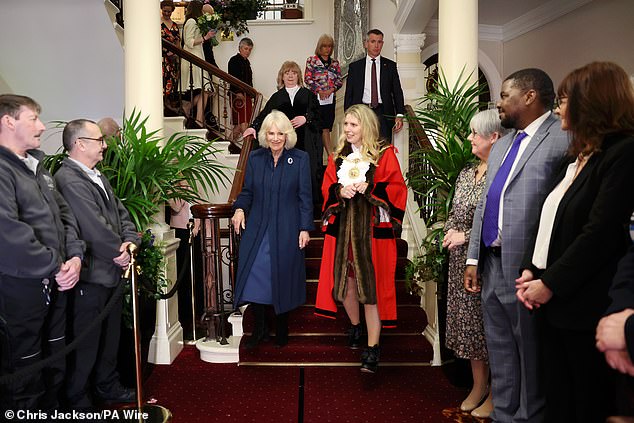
(391, 105)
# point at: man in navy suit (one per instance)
(382, 93)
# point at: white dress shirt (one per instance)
(530, 131)
(291, 93)
(547, 218)
(367, 87)
(93, 174)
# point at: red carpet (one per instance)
(266, 387)
(199, 392)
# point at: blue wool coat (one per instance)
(277, 200)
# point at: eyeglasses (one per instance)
(559, 101)
(100, 139)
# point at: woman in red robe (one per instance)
(364, 203)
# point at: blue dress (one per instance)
(277, 203)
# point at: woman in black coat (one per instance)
(301, 107)
(582, 234)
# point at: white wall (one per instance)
(275, 43)
(64, 54)
(599, 30)
(278, 42)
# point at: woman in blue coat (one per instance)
(275, 210)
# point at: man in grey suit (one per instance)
(521, 168)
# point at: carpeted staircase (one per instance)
(316, 377)
(316, 341)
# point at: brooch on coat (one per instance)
(353, 169)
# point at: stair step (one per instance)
(303, 322)
(333, 350)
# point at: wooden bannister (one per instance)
(225, 90)
(213, 70)
(218, 299)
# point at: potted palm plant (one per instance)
(445, 113)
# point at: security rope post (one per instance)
(190, 226)
(145, 412)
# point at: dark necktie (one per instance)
(374, 92)
(492, 209)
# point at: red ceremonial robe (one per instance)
(355, 225)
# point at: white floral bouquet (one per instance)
(353, 169)
(207, 22)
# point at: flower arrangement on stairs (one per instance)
(235, 13)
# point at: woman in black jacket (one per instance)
(301, 107)
(582, 235)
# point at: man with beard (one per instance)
(522, 166)
(40, 260)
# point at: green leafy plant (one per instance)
(445, 113)
(146, 170)
(235, 13)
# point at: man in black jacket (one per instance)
(105, 226)
(40, 260)
(374, 81)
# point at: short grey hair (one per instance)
(280, 120)
(487, 122)
(72, 131)
(246, 41)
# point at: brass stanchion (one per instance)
(190, 226)
(151, 413)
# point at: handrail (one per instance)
(213, 70)
(216, 256)
(417, 129)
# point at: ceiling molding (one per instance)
(402, 13)
(485, 32)
(539, 17)
(529, 21)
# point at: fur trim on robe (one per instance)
(356, 223)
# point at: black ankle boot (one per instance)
(355, 336)
(281, 329)
(261, 328)
(370, 359)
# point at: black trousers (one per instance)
(185, 287)
(579, 385)
(33, 327)
(94, 362)
(385, 123)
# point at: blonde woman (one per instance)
(323, 77)
(364, 203)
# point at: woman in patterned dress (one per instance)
(323, 78)
(169, 32)
(465, 330)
